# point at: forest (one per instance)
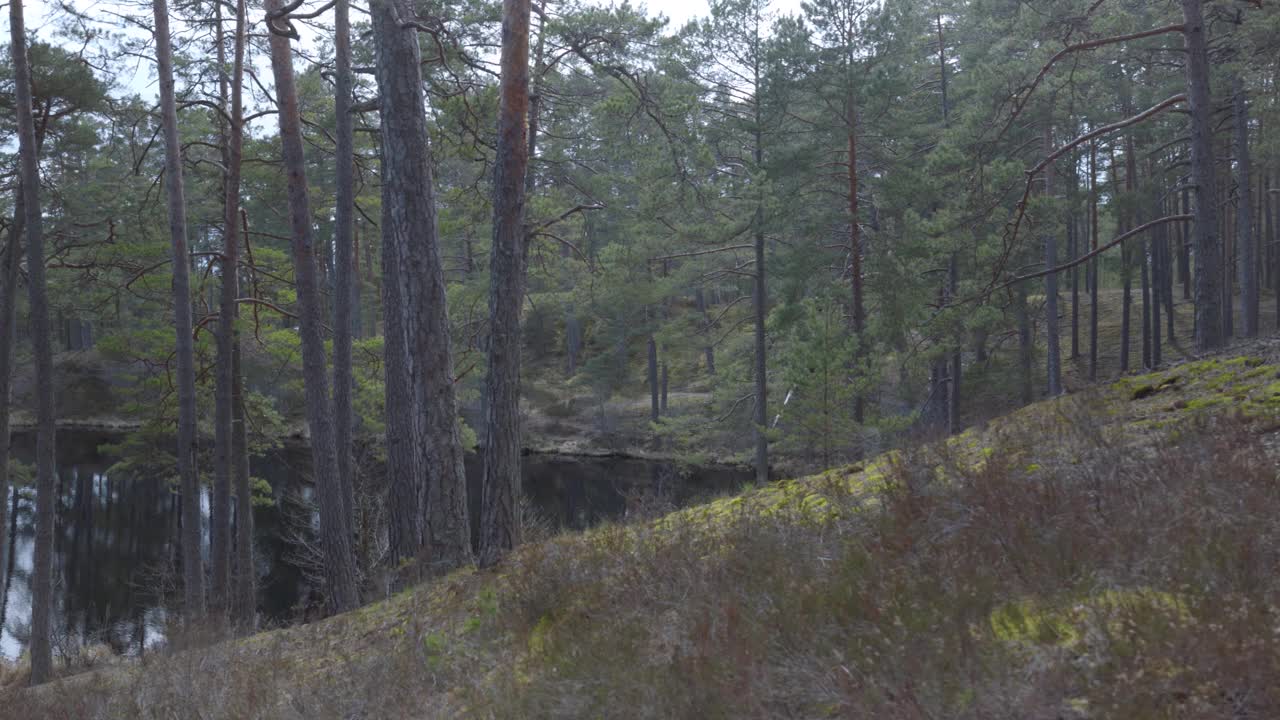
(422, 251)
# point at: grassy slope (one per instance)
(1107, 554)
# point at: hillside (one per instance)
(1110, 553)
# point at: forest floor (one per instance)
(1107, 554)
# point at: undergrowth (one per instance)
(1067, 563)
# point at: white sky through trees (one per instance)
(44, 18)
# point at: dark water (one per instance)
(114, 554)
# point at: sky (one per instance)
(42, 18)
(41, 12)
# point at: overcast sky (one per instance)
(43, 16)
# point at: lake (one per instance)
(114, 548)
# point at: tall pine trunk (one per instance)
(1093, 262)
(335, 531)
(759, 305)
(42, 565)
(1073, 252)
(1157, 287)
(8, 337)
(1269, 214)
(406, 476)
(1207, 243)
(1245, 246)
(1053, 360)
(1126, 250)
(222, 596)
(1226, 230)
(412, 263)
(708, 352)
(654, 390)
(855, 266)
(192, 564)
(1185, 240)
(957, 360)
(1023, 316)
(344, 290)
(500, 490)
(244, 604)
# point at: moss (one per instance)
(1257, 372)
(433, 647)
(1204, 403)
(539, 635)
(1144, 391)
(1223, 380)
(1064, 622)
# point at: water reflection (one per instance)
(117, 559)
(110, 547)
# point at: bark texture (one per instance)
(192, 562)
(1206, 240)
(335, 531)
(424, 443)
(9, 264)
(1093, 263)
(499, 508)
(42, 567)
(231, 87)
(857, 317)
(344, 287)
(1053, 360)
(1246, 256)
(245, 605)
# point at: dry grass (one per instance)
(1106, 555)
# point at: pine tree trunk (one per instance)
(572, 340)
(1269, 211)
(1185, 239)
(855, 262)
(654, 390)
(662, 405)
(500, 490)
(192, 565)
(245, 601)
(225, 460)
(1248, 263)
(708, 352)
(406, 475)
(344, 293)
(1145, 290)
(957, 361)
(1053, 360)
(335, 531)
(397, 54)
(1093, 263)
(759, 303)
(411, 233)
(1126, 253)
(535, 105)
(1157, 290)
(1073, 251)
(40, 646)
(1206, 242)
(1226, 230)
(9, 265)
(1023, 316)
(1168, 236)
